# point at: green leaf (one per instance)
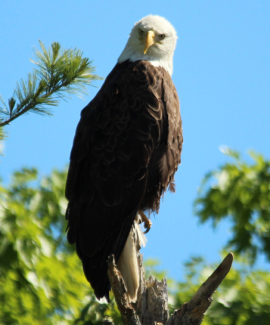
(239, 191)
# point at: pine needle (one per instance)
(58, 74)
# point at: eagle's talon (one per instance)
(146, 222)
(147, 225)
(147, 230)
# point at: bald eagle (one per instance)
(125, 153)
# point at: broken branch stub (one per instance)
(193, 311)
(151, 307)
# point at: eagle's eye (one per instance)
(161, 36)
(140, 32)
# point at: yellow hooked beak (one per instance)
(149, 40)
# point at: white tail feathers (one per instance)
(139, 235)
(128, 261)
(128, 266)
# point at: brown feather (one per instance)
(125, 153)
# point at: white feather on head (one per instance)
(161, 53)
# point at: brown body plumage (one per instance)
(125, 153)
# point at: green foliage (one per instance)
(241, 192)
(242, 298)
(64, 71)
(59, 72)
(41, 278)
(95, 313)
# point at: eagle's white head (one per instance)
(152, 39)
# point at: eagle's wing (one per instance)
(116, 137)
(172, 157)
(167, 155)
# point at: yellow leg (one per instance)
(146, 222)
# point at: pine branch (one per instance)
(59, 72)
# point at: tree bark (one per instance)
(151, 307)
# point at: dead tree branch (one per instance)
(193, 311)
(151, 307)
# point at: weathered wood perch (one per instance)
(151, 307)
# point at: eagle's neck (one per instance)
(164, 61)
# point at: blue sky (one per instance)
(221, 72)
